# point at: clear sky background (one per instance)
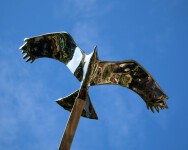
(152, 32)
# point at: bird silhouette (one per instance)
(128, 73)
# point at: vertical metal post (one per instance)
(72, 124)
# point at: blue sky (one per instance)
(152, 32)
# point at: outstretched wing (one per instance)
(59, 46)
(132, 75)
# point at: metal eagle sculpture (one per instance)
(90, 71)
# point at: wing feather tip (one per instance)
(23, 47)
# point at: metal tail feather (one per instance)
(68, 102)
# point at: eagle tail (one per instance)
(68, 102)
